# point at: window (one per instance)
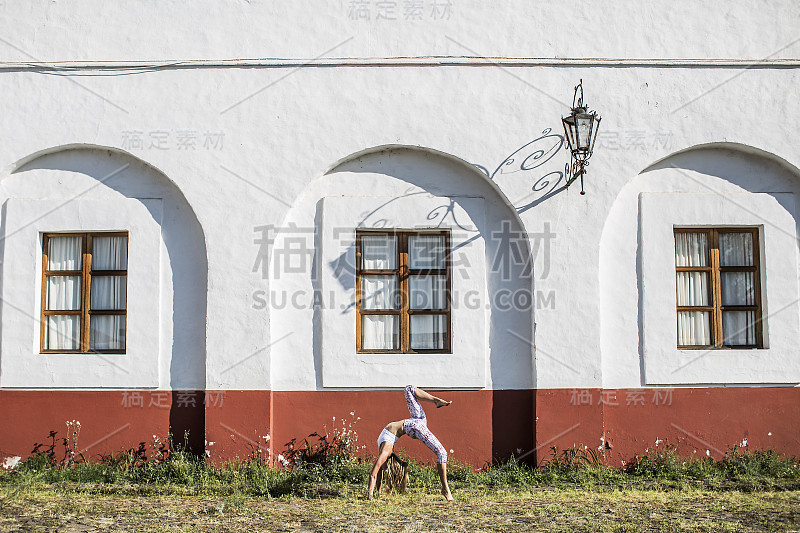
(718, 289)
(403, 291)
(84, 278)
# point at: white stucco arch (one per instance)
(467, 167)
(733, 146)
(85, 187)
(706, 184)
(397, 180)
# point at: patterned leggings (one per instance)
(416, 427)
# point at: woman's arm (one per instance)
(384, 453)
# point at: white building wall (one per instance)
(85, 189)
(403, 188)
(264, 134)
(716, 185)
(96, 30)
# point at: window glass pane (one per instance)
(107, 332)
(379, 332)
(108, 292)
(692, 288)
(738, 288)
(64, 253)
(691, 249)
(379, 252)
(426, 251)
(427, 292)
(379, 292)
(694, 328)
(109, 253)
(736, 249)
(428, 332)
(738, 328)
(62, 332)
(63, 292)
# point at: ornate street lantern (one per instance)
(580, 128)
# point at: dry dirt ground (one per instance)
(48, 509)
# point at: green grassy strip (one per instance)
(335, 474)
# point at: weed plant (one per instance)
(330, 464)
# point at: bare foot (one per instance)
(447, 496)
(441, 403)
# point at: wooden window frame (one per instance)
(403, 272)
(715, 271)
(85, 312)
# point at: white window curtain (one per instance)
(64, 253)
(691, 288)
(694, 328)
(691, 249)
(379, 252)
(428, 292)
(379, 332)
(108, 292)
(63, 332)
(738, 328)
(738, 288)
(109, 253)
(107, 332)
(63, 293)
(736, 249)
(428, 332)
(426, 251)
(379, 292)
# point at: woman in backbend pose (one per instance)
(415, 427)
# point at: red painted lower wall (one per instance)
(699, 421)
(480, 426)
(238, 426)
(110, 421)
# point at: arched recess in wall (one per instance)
(85, 188)
(402, 187)
(312, 290)
(716, 184)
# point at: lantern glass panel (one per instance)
(569, 130)
(584, 127)
(595, 127)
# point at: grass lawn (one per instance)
(171, 490)
(87, 508)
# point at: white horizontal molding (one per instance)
(417, 61)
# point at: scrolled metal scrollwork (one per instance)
(575, 169)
